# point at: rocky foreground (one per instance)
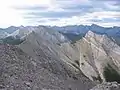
(18, 71)
(107, 86)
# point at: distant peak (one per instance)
(21, 26)
(94, 25)
(11, 27)
(89, 33)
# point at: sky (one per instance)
(59, 12)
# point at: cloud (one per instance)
(59, 12)
(101, 18)
(105, 20)
(31, 8)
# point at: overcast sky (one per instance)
(59, 12)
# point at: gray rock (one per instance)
(107, 86)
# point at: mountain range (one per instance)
(59, 58)
(73, 29)
(73, 32)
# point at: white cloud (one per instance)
(11, 16)
(26, 2)
(112, 6)
(85, 20)
(104, 14)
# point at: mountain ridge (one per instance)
(83, 64)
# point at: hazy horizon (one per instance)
(58, 26)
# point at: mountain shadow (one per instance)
(11, 40)
(111, 74)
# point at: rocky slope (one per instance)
(41, 62)
(48, 60)
(91, 55)
(18, 71)
(22, 32)
(96, 53)
(107, 86)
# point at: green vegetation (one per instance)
(111, 74)
(11, 40)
